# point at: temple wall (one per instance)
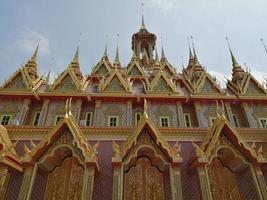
(11, 107)
(207, 111)
(14, 185)
(39, 186)
(114, 109)
(34, 107)
(257, 110)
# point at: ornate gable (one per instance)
(115, 82)
(161, 83)
(135, 70)
(208, 85)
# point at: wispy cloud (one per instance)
(163, 5)
(28, 39)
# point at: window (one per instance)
(137, 118)
(263, 122)
(187, 120)
(89, 117)
(212, 119)
(113, 121)
(5, 120)
(59, 119)
(235, 121)
(164, 121)
(36, 118)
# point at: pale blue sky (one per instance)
(61, 21)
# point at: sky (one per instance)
(60, 25)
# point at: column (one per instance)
(179, 108)
(4, 179)
(176, 185)
(27, 182)
(204, 183)
(251, 120)
(260, 182)
(88, 185)
(97, 114)
(198, 113)
(44, 112)
(117, 179)
(24, 111)
(78, 110)
(229, 113)
(129, 113)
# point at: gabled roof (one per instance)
(115, 73)
(8, 155)
(132, 65)
(221, 126)
(155, 80)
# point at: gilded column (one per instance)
(198, 113)
(229, 113)
(179, 108)
(4, 179)
(129, 113)
(44, 112)
(88, 185)
(97, 114)
(78, 110)
(27, 182)
(24, 111)
(176, 185)
(260, 182)
(251, 120)
(117, 179)
(204, 183)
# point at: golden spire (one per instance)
(156, 56)
(117, 58)
(35, 53)
(195, 55)
(234, 62)
(76, 56)
(190, 51)
(163, 57)
(143, 21)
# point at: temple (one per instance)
(140, 132)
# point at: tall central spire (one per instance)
(234, 62)
(143, 21)
(117, 58)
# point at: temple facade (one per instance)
(140, 132)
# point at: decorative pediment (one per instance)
(66, 133)
(162, 84)
(102, 68)
(168, 69)
(8, 155)
(115, 82)
(222, 134)
(134, 69)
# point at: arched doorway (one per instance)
(230, 176)
(65, 175)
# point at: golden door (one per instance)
(65, 181)
(144, 182)
(223, 182)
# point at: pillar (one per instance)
(88, 185)
(198, 113)
(78, 110)
(179, 108)
(117, 179)
(251, 120)
(260, 182)
(176, 185)
(27, 182)
(129, 113)
(229, 113)
(97, 114)
(204, 183)
(24, 111)
(44, 112)
(4, 179)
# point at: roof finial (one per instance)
(262, 41)
(117, 58)
(156, 56)
(162, 50)
(76, 56)
(190, 51)
(105, 55)
(194, 51)
(234, 62)
(143, 21)
(35, 54)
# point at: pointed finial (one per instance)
(105, 55)
(162, 50)
(190, 51)
(234, 62)
(35, 53)
(143, 21)
(76, 56)
(156, 56)
(262, 41)
(194, 51)
(47, 80)
(117, 58)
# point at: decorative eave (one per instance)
(115, 72)
(209, 144)
(169, 82)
